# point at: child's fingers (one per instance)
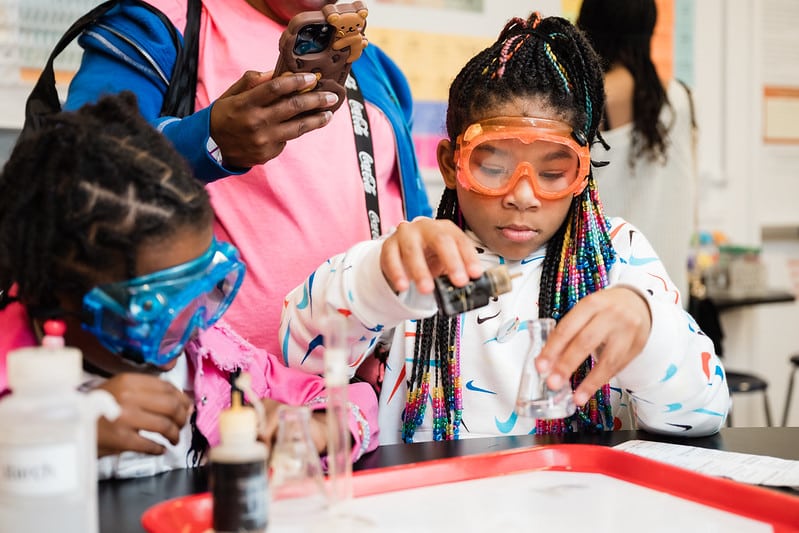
(392, 267)
(471, 259)
(609, 359)
(414, 257)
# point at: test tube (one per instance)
(339, 456)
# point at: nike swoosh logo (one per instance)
(531, 259)
(481, 319)
(670, 371)
(471, 386)
(639, 261)
(506, 426)
(317, 341)
(306, 291)
(686, 427)
(304, 302)
(708, 412)
(286, 344)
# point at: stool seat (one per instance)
(795, 362)
(743, 382)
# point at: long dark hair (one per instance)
(621, 33)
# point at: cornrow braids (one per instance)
(546, 58)
(82, 193)
(621, 33)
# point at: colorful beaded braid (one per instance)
(580, 266)
(447, 392)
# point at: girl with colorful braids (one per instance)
(104, 227)
(520, 192)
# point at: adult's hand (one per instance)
(147, 403)
(252, 121)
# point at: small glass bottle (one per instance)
(454, 300)
(48, 445)
(238, 477)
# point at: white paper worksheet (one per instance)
(742, 467)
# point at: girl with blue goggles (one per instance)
(149, 319)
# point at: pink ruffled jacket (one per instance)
(214, 354)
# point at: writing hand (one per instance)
(147, 403)
(252, 121)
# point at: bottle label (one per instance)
(39, 470)
(240, 495)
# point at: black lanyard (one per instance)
(364, 153)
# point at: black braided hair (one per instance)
(551, 60)
(80, 195)
(621, 33)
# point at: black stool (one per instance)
(795, 363)
(706, 314)
(742, 382)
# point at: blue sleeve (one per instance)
(384, 85)
(131, 49)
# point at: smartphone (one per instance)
(325, 43)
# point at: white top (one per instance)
(658, 197)
(675, 385)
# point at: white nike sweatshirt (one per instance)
(675, 385)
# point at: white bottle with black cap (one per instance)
(48, 442)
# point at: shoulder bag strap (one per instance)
(179, 100)
(180, 96)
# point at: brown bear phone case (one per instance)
(324, 42)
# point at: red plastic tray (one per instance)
(192, 514)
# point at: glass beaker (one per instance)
(296, 483)
(535, 399)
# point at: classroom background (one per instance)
(740, 57)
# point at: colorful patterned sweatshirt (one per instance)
(675, 385)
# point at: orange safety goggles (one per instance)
(494, 154)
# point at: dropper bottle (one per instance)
(454, 300)
(238, 472)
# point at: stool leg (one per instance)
(766, 409)
(788, 399)
(729, 418)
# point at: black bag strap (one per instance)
(179, 99)
(180, 95)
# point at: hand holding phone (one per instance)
(325, 43)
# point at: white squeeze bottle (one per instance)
(48, 441)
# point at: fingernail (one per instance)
(580, 398)
(328, 116)
(555, 381)
(542, 365)
(308, 77)
(331, 98)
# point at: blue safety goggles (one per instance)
(149, 319)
